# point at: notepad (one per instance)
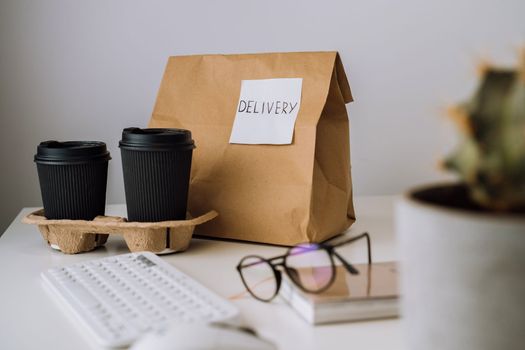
(371, 294)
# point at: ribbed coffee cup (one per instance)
(156, 164)
(73, 178)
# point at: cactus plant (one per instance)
(491, 157)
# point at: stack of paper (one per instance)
(371, 294)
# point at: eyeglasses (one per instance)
(311, 267)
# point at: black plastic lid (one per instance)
(156, 139)
(55, 152)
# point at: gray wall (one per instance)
(87, 69)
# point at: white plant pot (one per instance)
(462, 276)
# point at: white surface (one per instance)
(29, 318)
(266, 111)
(468, 271)
(201, 337)
(87, 69)
(116, 299)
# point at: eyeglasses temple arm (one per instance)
(346, 264)
(350, 240)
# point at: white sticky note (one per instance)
(266, 111)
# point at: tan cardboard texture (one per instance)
(77, 236)
(278, 194)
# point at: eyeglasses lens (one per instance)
(310, 266)
(259, 277)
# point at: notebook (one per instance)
(371, 294)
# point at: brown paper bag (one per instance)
(278, 194)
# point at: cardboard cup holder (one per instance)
(78, 236)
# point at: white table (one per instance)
(30, 319)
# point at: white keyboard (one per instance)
(119, 298)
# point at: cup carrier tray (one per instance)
(77, 236)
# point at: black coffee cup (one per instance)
(73, 178)
(156, 164)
